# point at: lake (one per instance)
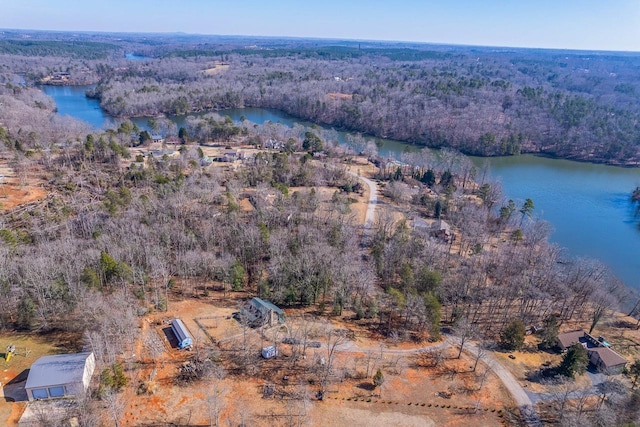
(386, 147)
(72, 101)
(588, 205)
(134, 57)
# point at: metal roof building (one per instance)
(185, 340)
(61, 375)
(259, 312)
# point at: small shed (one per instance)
(61, 375)
(185, 340)
(269, 352)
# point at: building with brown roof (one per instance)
(606, 360)
(601, 357)
(567, 339)
(441, 230)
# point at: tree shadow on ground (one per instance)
(543, 374)
(63, 341)
(624, 324)
(549, 350)
(366, 386)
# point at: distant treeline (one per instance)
(324, 52)
(73, 49)
(481, 102)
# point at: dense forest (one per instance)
(97, 199)
(489, 105)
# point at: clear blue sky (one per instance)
(574, 24)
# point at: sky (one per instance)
(564, 24)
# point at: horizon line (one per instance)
(282, 37)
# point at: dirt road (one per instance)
(370, 216)
(514, 388)
(518, 393)
(373, 201)
(521, 398)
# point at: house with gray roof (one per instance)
(567, 339)
(606, 360)
(62, 375)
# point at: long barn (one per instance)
(181, 332)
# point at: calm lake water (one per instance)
(72, 101)
(588, 205)
(386, 147)
(134, 57)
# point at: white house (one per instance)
(61, 375)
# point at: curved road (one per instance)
(521, 398)
(512, 385)
(518, 393)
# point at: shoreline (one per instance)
(544, 154)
